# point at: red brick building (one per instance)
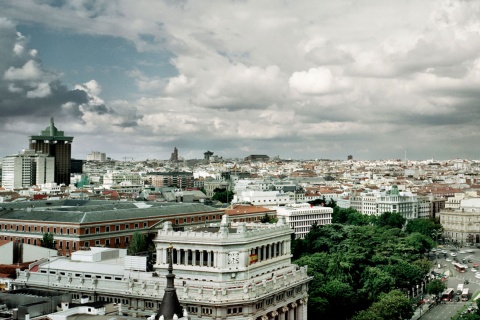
(92, 223)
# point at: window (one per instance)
(107, 229)
(136, 225)
(97, 230)
(192, 219)
(145, 224)
(127, 226)
(97, 242)
(107, 242)
(86, 244)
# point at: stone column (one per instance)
(194, 257)
(209, 257)
(201, 258)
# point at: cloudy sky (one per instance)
(298, 79)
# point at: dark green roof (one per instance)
(98, 213)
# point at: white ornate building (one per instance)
(223, 271)
(462, 224)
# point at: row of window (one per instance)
(117, 228)
(37, 229)
(81, 275)
(310, 217)
(60, 244)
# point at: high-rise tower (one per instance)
(54, 143)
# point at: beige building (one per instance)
(462, 224)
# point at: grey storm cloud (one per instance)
(28, 90)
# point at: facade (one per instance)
(406, 205)
(211, 185)
(83, 223)
(462, 225)
(113, 179)
(301, 217)
(262, 198)
(223, 271)
(96, 156)
(54, 143)
(26, 169)
(168, 179)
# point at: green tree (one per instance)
(424, 264)
(367, 315)
(376, 281)
(419, 242)
(427, 227)
(267, 219)
(389, 219)
(436, 287)
(138, 244)
(48, 241)
(393, 305)
(341, 296)
(224, 196)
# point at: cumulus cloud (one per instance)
(262, 76)
(317, 81)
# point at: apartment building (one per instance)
(462, 224)
(53, 142)
(302, 216)
(27, 168)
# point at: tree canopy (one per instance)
(138, 244)
(223, 195)
(362, 266)
(48, 241)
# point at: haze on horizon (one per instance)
(297, 79)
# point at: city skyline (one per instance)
(301, 80)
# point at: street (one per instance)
(448, 310)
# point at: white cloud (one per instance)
(30, 71)
(282, 76)
(317, 81)
(41, 91)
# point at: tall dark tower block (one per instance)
(54, 143)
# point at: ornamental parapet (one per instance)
(187, 290)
